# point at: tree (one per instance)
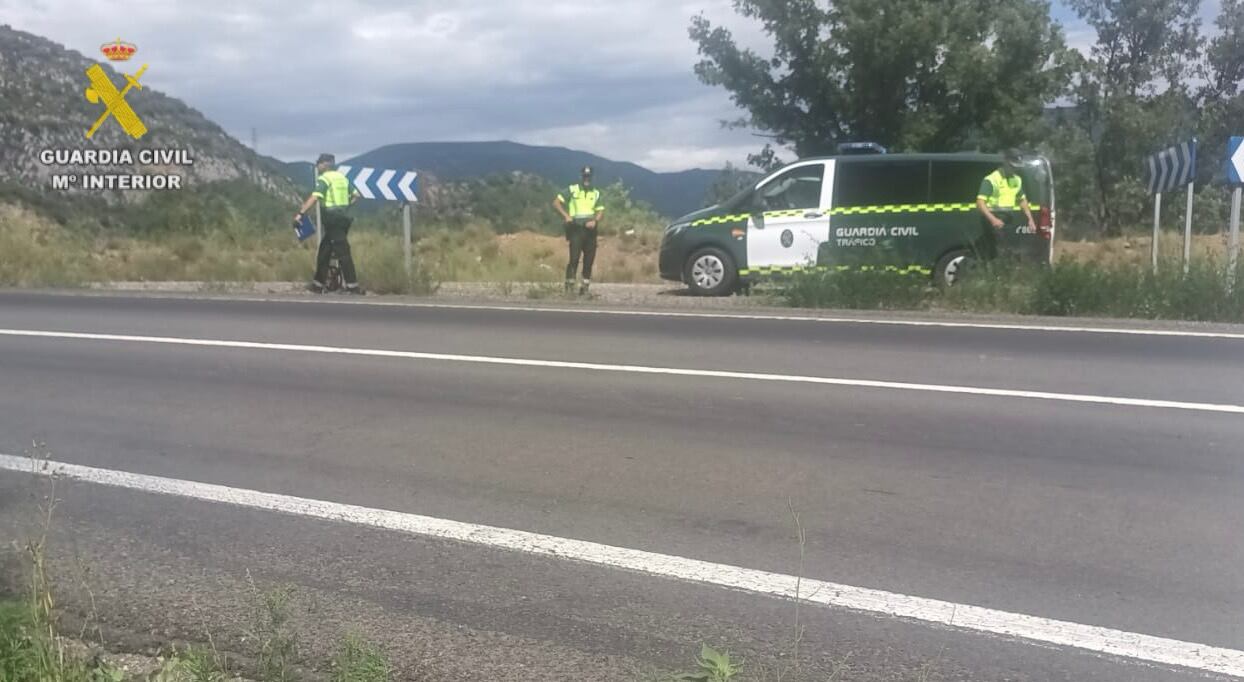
(1133, 97)
(913, 75)
(1221, 99)
(729, 182)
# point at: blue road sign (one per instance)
(1171, 168)
(382, 183)
(1235, 160)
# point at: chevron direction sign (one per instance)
(1235, 161)
(383, 183)
(1171, 168)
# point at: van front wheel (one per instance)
(953, 267)
(711, 272)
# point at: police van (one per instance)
(908, 213)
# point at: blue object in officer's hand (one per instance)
(304, 228)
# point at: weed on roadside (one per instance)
(197, 664)
(712, 666)
(277, 642)
(358, 660)
(31, 650)
(542, 291)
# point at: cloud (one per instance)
(351, 75)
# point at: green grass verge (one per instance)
(37, 253)
(1068, 288)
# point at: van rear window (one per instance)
(957, 182)
(882, 184)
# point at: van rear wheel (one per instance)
(953, 267)
(711, 272)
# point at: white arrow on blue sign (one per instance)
(1171, 168)
(1235, 161)
(371, 182)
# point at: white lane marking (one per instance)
(1001, 326)
(1088, 637)
(639, 369)
(810, 318)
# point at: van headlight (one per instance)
(676, 228)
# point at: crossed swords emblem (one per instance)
(102, 90)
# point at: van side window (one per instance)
(882, 183)
(797, 188)
(957, 182)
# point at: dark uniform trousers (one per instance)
(582, 243)
(336, 229)
(993, 238)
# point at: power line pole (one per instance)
(255, 148)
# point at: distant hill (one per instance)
(671, 194)
(42, 107)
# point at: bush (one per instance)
(382, 266)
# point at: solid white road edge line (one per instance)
(640, 369)
(1086, 637)
(1001, 326)
(806, 318)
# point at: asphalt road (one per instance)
(1104, 514)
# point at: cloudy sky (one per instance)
(613, 78)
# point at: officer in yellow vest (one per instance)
(332, 190)
(582, 215)
(1003, 190)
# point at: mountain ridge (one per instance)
(671, 194)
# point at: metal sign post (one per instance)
(1168, 169)
(1188, 232)
(1157, 226)
(1233, 250)
(315, 178)
(406, 238)
(1235, 176)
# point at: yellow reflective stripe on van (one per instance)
(792, 269)
(904, 208)
(718, 220)
(853, 210)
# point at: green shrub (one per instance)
(857, 289)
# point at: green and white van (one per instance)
(910, 213)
